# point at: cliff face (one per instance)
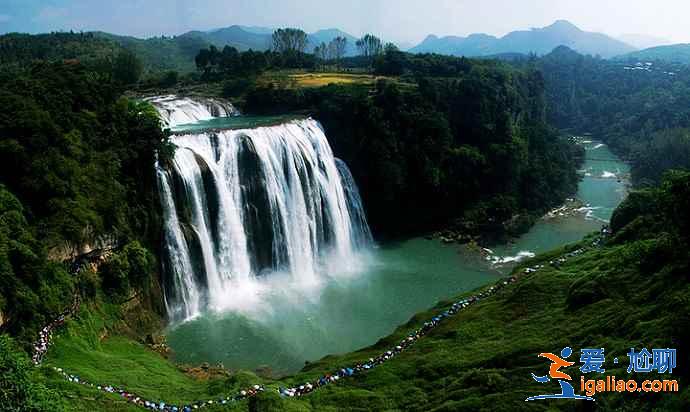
(69, 250)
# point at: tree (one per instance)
(20, 388)
(369, 45)
(127, 68)
(230, 60)
(207, 59)
(392, 62)
(322, 52)
(289, 40)
(169, 79)
(337, 48)
(129, 268)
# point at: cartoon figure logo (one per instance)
(567, 391)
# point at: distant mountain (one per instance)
(675, 53)
(259, 38)
(473, 45)
(643, 41)
(258, 29)
(539, 41)
(177, 53)
(236, 36)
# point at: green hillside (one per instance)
(675, 53)
(19, 48)
(157, 54)
(234, 36)
(162, 53)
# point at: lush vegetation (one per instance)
(228, 63)
(32, 289)
(21, 386)
(161, 54)
(674, 53)
(76, 164)
(427, 151)
(642, 109)
(16, 48)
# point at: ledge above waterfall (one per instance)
(220, 124)
(175, 111)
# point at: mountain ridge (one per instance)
(672, 53)
(259, 38)
(536, 40)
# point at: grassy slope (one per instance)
(482, 358)
(91, 348)
(479, 359)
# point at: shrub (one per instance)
(19, 389)
(130, 267)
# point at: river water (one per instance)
(277, 325)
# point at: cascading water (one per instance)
(240, 204)
(175, 111)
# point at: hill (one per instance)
(236, 36)
(539, 41)
(20, 48)
(161, 53)
(643, 41)
(675, 53)
(156, 53)
(639, 108)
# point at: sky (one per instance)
(403, 21)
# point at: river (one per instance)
(277, 326)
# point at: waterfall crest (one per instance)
(174, 110)
(241, 204)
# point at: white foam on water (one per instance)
(175, 111)
(502, 260)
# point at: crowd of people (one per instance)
(307, 387)
(45, 335)
(324, 380)
(160, 405)
(405, 343)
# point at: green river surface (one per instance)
(281, 325)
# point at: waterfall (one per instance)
(175, 111)
(241, 204)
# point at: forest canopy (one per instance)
(76, 164)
